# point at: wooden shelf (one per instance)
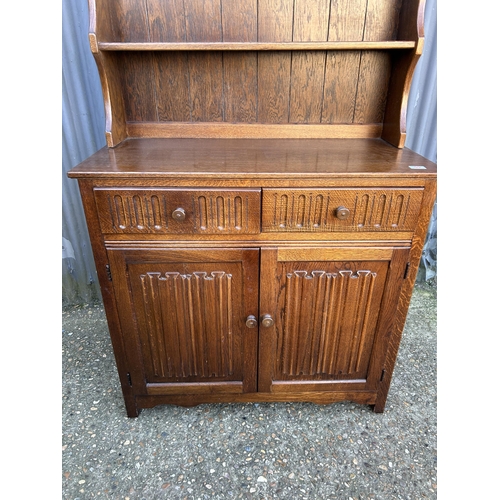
(255, 46)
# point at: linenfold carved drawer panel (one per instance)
(178, 211)
(342, 209)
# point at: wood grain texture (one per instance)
(167, 21)
(213, 159)
(340, 88)
(203, 21)
(306, 87)
(138, 86)
(310, 21)
(240, 87)
(318, 397)
(128, 20)
(382, 19)
(347, 20)
(172, 87)
(239, 21)
(275, 18)
(205, 130)
(274, 87)
(206, 87)
(374, 76)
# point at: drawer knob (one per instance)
(179, 214)
(251, 321)
(267, 320)
(342, 213)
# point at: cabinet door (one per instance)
(332, 311)
(182, 314)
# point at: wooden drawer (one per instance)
(341, 209)
(178, 210)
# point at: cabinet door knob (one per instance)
(251, 321)
(179, 214)
(267, 320)
(342, 213)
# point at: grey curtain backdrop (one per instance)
(83, 134)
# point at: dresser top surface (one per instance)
(228, 158)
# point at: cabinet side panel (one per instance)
(403, 299)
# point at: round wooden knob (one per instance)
(267, 320)
(342, 213)
(179, 214)
(251, 321)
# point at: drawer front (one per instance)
(178, 211)
(343, 209)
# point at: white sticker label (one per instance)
(417, 167)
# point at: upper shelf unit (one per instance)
(256, 68)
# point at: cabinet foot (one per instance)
(131, 407)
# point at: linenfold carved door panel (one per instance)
(328, 310)
(183, 313)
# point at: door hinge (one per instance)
(129, 378)
(108, 272)
(407, 270)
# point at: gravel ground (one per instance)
(256, 451)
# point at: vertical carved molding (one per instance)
(150, 211)
(189, 324)
(315, 210)
(137, 213)
(156, 351)
(203, 213)
(217, 214)
(326, 323)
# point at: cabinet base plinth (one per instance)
(189, 400)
